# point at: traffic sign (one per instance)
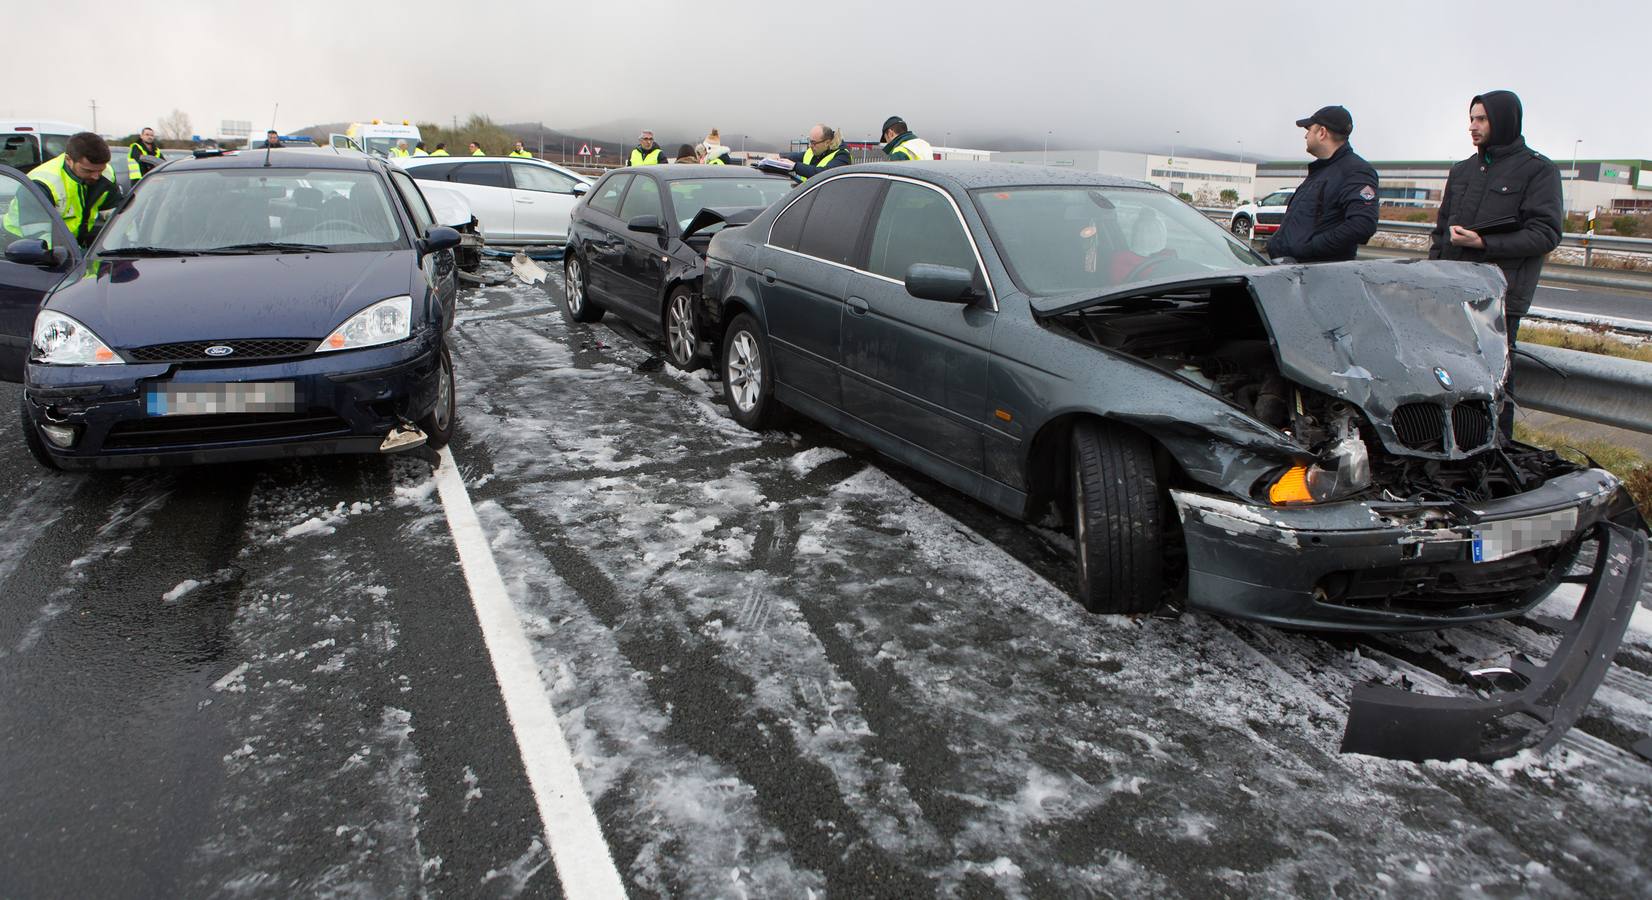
(584, 149)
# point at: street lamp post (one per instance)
(1572, 195)
(1241, 153)
(1173, 142)
(1047, 147)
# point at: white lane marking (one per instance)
(1555, 287)
(583, 862)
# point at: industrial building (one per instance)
(1202, 179)
(1617, 185)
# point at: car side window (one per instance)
(416, 206)
(788, 228)
(488, 174)
(917, 225)
(642, 200)
(538, 178)
(606, 197)
(1276, 200)
(18, 151)
(832, 230)
(23, 213)
(437, 172)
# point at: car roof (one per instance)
(968, 176)
(45, 126)
(685, 171)
(311, 158)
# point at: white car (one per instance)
(516, 201)
(26, 143)
(1262, 216)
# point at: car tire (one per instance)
(1118, 520)
(576, 294)
(31, 437)
(437, 425)
(748, 375)
(1241, 226)
(680, 326)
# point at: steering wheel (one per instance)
(345, 223)
(1141, 268)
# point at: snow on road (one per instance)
(783, 671)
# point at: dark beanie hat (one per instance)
(1503, 109)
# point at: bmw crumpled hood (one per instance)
(139, 302)
(1374, 333)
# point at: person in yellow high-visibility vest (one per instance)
(143, 148)
(400, 150)
(520, 152)
(825, 152)
(79, 183)
(441, 150)
(899, 143)
(645, 153)
(419, 150)
(476, 149)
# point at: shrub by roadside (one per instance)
(1628, 465)
(1588, 341)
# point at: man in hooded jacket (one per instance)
(1502, 205)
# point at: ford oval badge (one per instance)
(223, 350)
(1440, 375)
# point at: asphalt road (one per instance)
(784, 667)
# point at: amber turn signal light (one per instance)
(1291, 487)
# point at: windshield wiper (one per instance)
(148, 251)
(276, 246)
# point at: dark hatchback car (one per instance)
(1308, 446)
(637, 241)
(235, 307)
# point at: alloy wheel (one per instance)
(575, 287)
(680, 328)
(745, 371)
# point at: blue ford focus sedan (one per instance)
(253, 306)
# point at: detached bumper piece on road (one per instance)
(1388, 722)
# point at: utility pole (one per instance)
(94, 116)
(1571, 194)
(1047, 147)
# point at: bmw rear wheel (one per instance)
(681, 336)
(575, 292)
(748, 377)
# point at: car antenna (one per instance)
(267, 148)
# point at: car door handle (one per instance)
(768, 276)
(524, 200)
(859, 307)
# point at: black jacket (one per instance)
(1506, 180)
(1332, 213)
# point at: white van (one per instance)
(26, 143)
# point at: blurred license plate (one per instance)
(1499, 540)
(208, 399)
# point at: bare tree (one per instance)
(174, 126)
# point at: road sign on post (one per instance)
(584, 149)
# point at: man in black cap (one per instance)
(1335, 209)
(1502, 205)
(899, 143)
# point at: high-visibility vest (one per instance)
(69, 196)
(808, 160)
(477, 152)
(912, 149)
(399, 152)
(651, 158)
(715, 160)
(133, 170)
(440, 153)
(522, 154)
(419, 151)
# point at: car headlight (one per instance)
(1344, 469)
(385, 322)
(60, 340)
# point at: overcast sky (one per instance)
(1093, 73)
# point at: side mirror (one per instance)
(438, 238)
(581, 189)
(30, 253)
(646, 225)
(948, 284)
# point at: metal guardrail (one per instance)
(1569, 239)
(1590, 386)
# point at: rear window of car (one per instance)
(489, 174)
(788, 227)
(215, 208)
(690, 196)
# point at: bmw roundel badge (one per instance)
(1440, 375)
(223, 350)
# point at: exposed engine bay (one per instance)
(1215, 338)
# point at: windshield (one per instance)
(1067, 239)
(207, 210)
(384, 146)
(690, 196)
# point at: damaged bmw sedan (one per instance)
(1307, 446)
